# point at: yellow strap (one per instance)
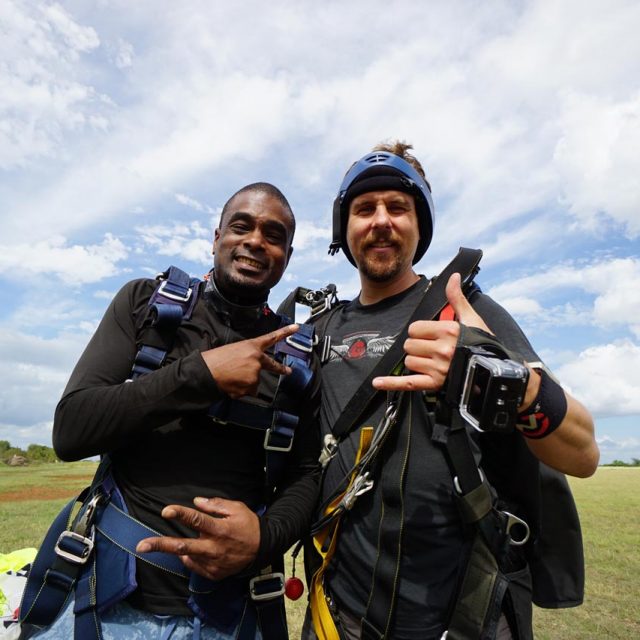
(323, 622)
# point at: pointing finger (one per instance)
(269, 339)
(417, 382)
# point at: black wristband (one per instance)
(544, 415)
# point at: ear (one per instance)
(288, 256)
(216, 237)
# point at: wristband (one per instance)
(544, 415)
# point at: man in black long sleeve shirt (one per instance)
(164, 448)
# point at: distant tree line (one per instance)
(635, 462)
(34, 452)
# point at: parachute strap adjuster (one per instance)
(267, 586)
(174, 295)
(74, 547)
(456, 481)
(282, 430)
(304, 345)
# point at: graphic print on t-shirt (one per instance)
(367, 344)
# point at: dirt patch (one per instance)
(38, 493)
(72, 478)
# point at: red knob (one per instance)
(293, 588)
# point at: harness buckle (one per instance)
(282, 427)
(361, 484)
(456, 482)
(174, 296)
(78, 549)
(267, 586)
(514, 521)
(306, 345)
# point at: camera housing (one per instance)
(486, 389)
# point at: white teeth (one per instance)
(250, 262)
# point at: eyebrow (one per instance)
(367, 198)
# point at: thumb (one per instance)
(465, 313)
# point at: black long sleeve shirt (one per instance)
(164, 448)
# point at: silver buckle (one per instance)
(271, 447)
(269, 595)
(71, 557)
(290, 340)
(174, 296)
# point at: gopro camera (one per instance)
(486, 389)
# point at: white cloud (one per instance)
(74, 265)
(597, 161)
(190, 241)
(124, 55)
(612, 284)
(192, 203)
(24, 435)
(77, 37)
(618, 448)
(605, 378)
(309, 234)
(42, 99)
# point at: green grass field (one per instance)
(609, 505)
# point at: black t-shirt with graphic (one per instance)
(433, 546)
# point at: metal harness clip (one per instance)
(514, 521)
(361, 484)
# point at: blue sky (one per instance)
(125, 126)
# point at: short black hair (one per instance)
(267, 189)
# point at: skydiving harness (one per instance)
(477, 608)
(91, 550)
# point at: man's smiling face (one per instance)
(253, 245)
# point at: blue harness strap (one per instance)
(171, 303)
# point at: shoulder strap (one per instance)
(433, 300)
(170, 304)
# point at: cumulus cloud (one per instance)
(192, 203)
(43, 99)
(624, 449)
(605, 378)
(597, 161)
(201, 107)
(74, 265)
(24, 435)
(189, 241)
(34, 371)
(609, 283)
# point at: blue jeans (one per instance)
(123, 622)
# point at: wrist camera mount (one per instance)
(486, 389)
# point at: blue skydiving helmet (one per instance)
(382, 171)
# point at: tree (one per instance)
(41, 453)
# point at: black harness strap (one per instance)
(377, 619)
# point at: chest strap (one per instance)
(279, 419)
